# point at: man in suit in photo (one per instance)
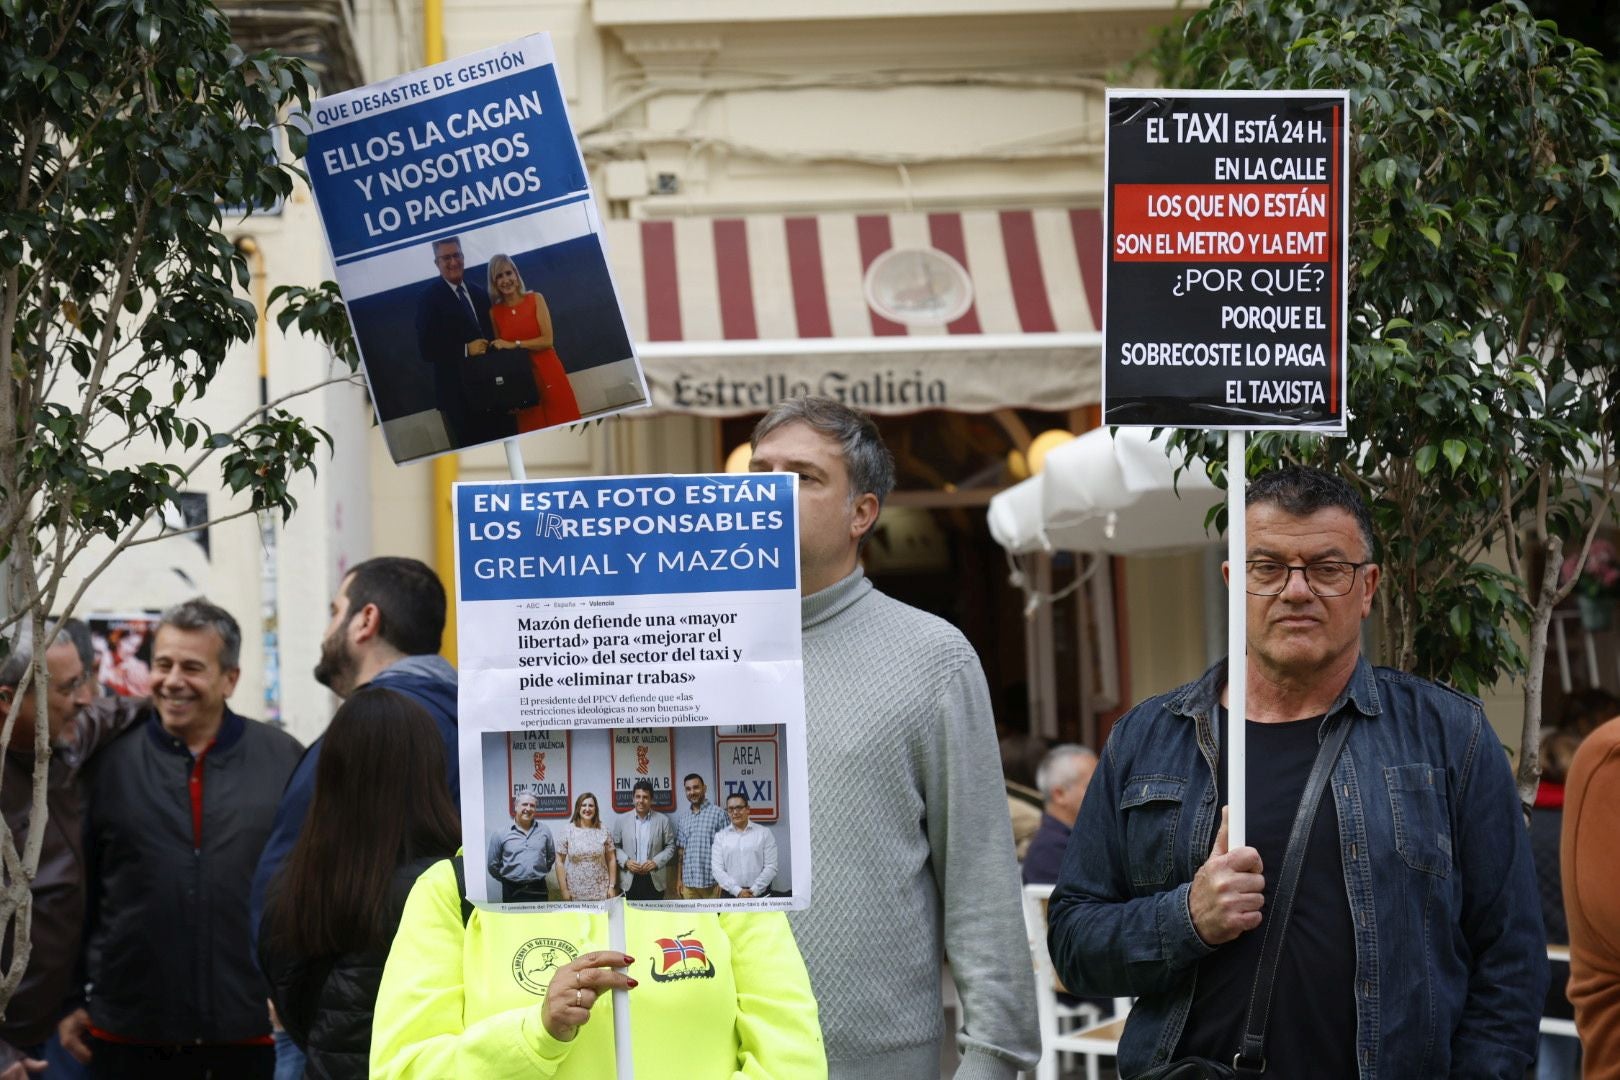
(646, 842)
(453, 328)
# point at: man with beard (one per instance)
(387, 623)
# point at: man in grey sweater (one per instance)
(911, 843)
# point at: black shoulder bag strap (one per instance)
(1251, 1058)
(460, 866)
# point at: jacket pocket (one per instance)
(1151, 807)
(1417, 798)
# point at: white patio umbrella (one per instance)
(1109, 494)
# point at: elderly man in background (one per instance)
(28, 1034)
(912, 844)
(1062, 777)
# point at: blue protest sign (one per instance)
(467, 245)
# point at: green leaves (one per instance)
(128, 123)
(1483, 345)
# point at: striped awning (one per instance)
(733, 314)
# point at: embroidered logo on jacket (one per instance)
(537, 958)
(683, 958)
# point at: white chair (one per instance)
(1078, 1029)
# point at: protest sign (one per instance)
(619, 632)
(1225, 279)
(468, 250)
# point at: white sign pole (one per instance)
(1237, 634)
(621, 998)
(615, 906)
(514, 459)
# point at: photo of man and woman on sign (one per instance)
(491, 343)
(653, 814)
(496, 343)
(468, 249)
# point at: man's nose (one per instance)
(1296, 587)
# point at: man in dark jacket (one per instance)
(1062, 778)
(55, 932)
(453, 329)
(178, 810)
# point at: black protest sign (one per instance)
(1226, 260)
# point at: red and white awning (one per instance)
(731, 315)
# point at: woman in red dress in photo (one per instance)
(522, 321)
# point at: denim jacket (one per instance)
(1451, 963)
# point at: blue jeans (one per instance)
(289, 1059)
(1559, 1058)
(63, 1065)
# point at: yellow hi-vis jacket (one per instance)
(718, 996)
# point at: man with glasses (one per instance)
(74, 732)
(452, 327)
(744, 857)
(1414, 944)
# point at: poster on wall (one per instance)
(123, 646)
(629, 646)
(538, 765)
(1225, 275)
(644, 755)
(750, 767)
(469, 253)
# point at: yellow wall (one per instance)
(1164, 601)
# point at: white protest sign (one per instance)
(618, 632)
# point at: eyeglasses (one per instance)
(76, 683)
(1268, 578)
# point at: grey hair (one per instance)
(497, 261)
(1058, 766)
(201, 614)
(1301, 490)
(77, 632)
(20, 656)
(22, 650)
(870, 465)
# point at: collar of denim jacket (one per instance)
(1198, 699)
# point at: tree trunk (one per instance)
(1528, 774)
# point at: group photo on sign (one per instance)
(693, 813)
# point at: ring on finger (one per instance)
(579, 998)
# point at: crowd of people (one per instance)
(214, 900)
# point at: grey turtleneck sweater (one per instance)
(911, 846)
